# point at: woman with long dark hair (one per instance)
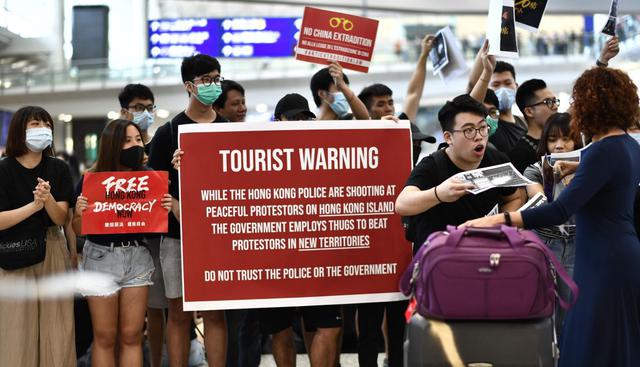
(117, 314)
(603, 328)
(555, 138)
(35, 192)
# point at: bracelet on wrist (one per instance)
(435, 192)
(601, 64)
(507, 219)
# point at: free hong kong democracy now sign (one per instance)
(346, 38)
(292, 213)
(125, 202)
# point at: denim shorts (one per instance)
(129, 266)
(171, 262)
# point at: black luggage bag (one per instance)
(458, 343)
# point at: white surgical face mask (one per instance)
(38, 138)
(340, 105)
(143, 119)
(506, 98)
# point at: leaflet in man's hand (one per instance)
(486, 178)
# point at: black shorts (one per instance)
(274, 320)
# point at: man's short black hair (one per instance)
(133, 91)
(374, 90)
(196, 65)
(502, 66)
(526, 94)
(322, 80)
(227, 86)
(491, 98)
(460, 104)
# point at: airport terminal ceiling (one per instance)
(445, 7)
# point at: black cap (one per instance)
(416, 134)
(291, 105)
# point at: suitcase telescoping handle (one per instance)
(510, 233)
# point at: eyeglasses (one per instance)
(494, 112)
(141, 108)
(550, 102)
(471, 132)
(208, 80)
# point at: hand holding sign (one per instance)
(427, 43)
(177, 157)
(488, 61)
(335, 70)
(609, 51)
(81, 204)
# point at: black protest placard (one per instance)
(508, 42)
(438, 54)
(610, 26)
(529, 13)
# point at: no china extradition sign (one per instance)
(327, 35)
(292, 213)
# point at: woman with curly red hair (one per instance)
(603, 329)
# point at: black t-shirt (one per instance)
(161, 149)
(508, 134)
(18, 182)
(524, 153)
(425, 176)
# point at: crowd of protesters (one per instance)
(588, 205)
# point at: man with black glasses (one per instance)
(137, 105)
(537, 103)
(432, 196)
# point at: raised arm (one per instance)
(608, 52)
(479, 91)
(476, 70)
(357, 107)
(417, 81)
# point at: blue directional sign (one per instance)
(223, 37)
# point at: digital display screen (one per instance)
(223, 37)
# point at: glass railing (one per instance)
(93, 74)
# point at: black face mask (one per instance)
(132, 157)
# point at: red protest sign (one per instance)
(125, 202)
(292, 213)
(327, 35)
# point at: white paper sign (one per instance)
(501, 29)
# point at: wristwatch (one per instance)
(601, 64)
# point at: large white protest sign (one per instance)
(456, 65)
(501, 29)
(438, 54)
